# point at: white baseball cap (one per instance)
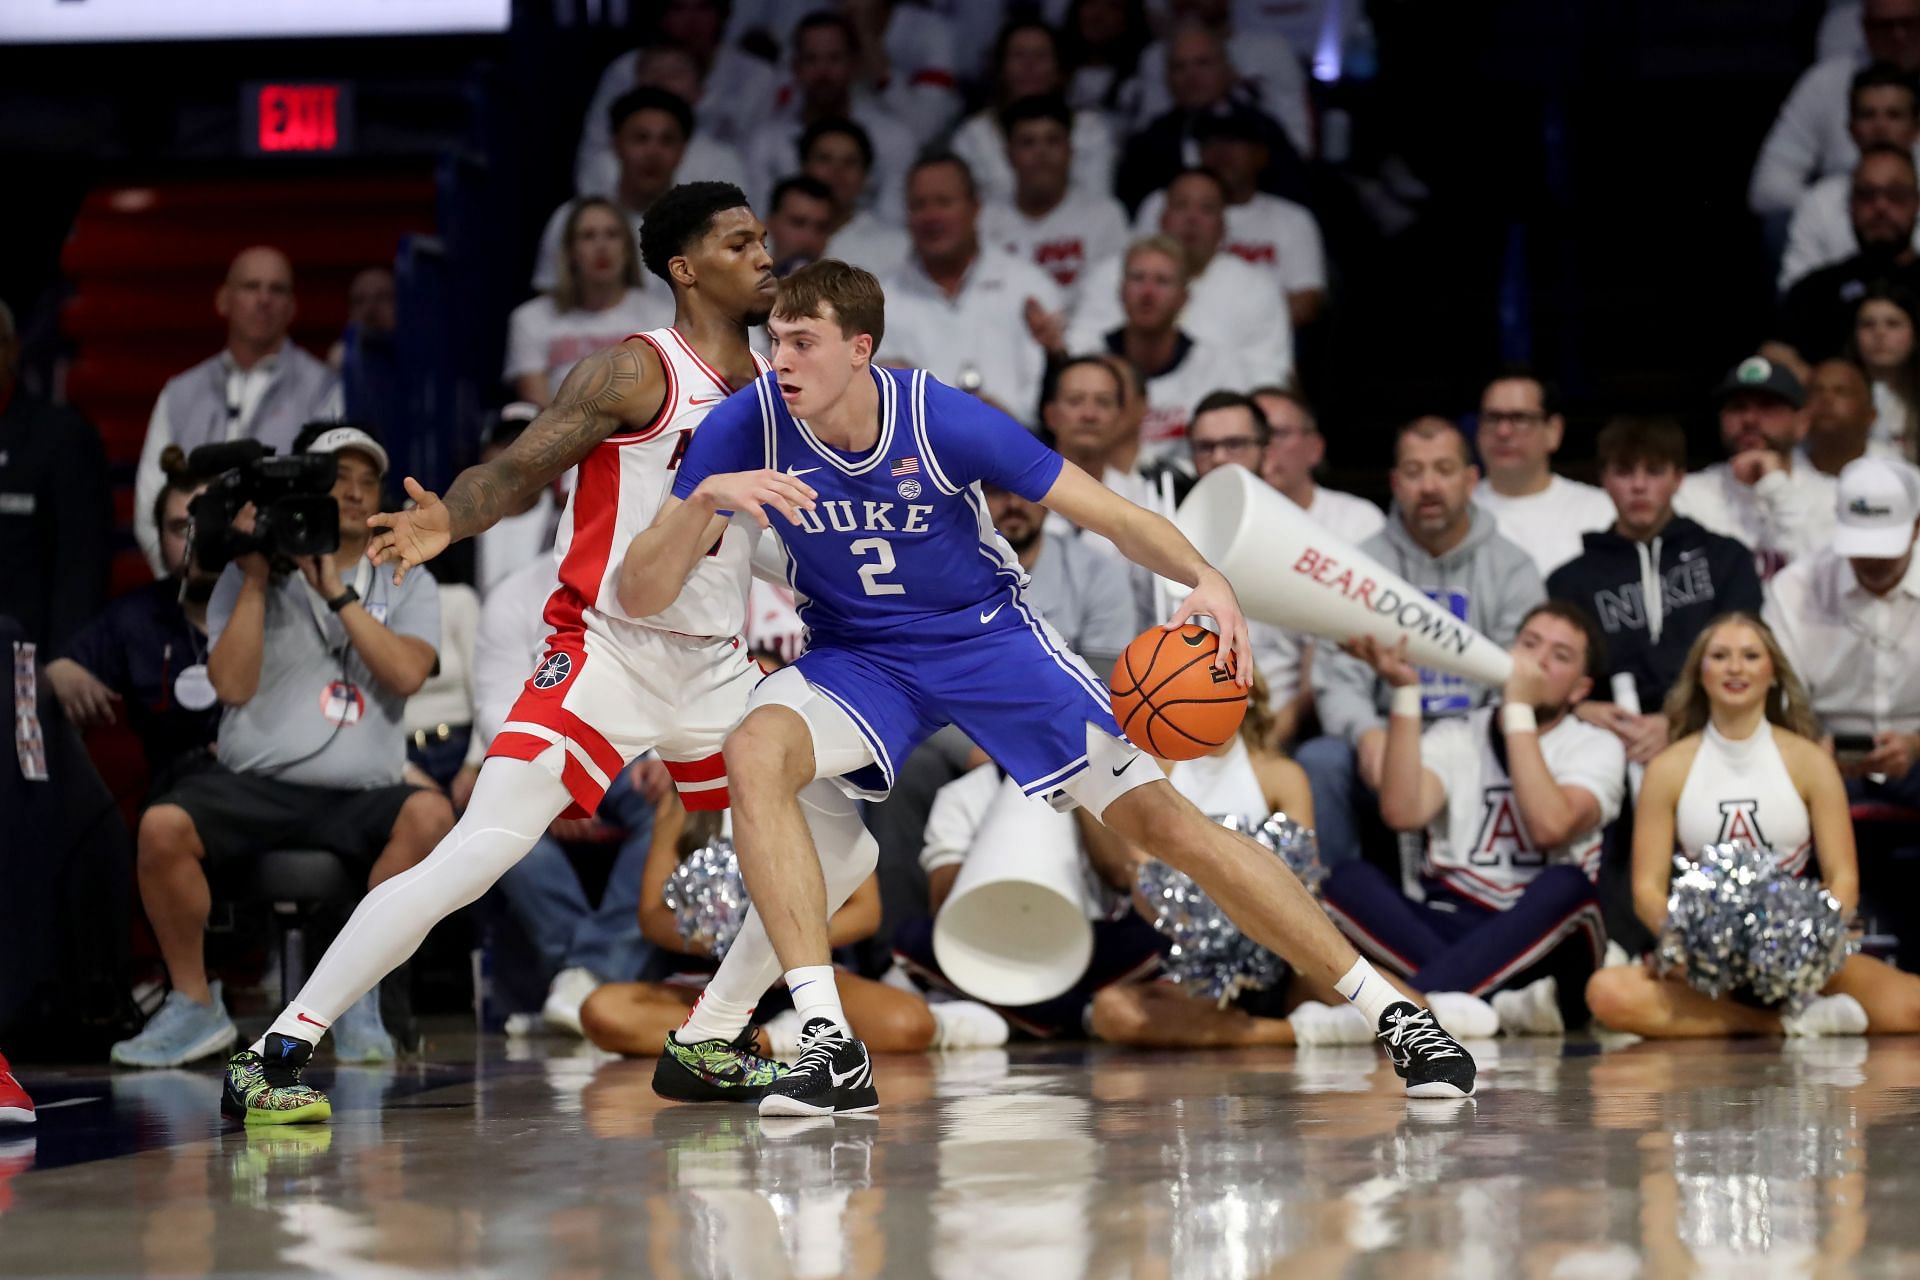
(1879, 500)
(338, 438)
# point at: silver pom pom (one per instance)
(1209, 956)
(707, 896)
(1736, 922)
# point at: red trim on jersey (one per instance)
(711, 800)
(669, 404)
(712, 768)
(705, 368)
(589, 740)
(518, 746)
(596, 508)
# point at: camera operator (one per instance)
(313, 664)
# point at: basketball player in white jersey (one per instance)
(611, 685)
(1745, 765)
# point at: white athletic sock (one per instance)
(847, 857)
(296, 1022)
(815, 995)
(1368, 991)
(513, 803)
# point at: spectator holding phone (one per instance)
(1848, 619)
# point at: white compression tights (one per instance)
(513, 803)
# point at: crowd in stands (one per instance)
(1096, 217)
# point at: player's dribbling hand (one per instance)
(754, 491)
(1214, 598)
(412, 537)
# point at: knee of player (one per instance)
(1118, 1014)
(760, 751)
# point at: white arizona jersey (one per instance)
(1741, 791)
(1478, 845)
(622, 484)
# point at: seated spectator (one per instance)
(580, 944)
(1520, 431)
(1809, 138)
(259, 387)
(1084, 408)
(650, 130)
(1883, 344)
(710, 155)
(1264, 68)
(1232, 304)
(1085, 585)
(1883, 110)
(1758, 495)
(1512, 810)
(1027, 65)
(963, 310)
(1273, 234)
(370, 313)
(1125, 456)
(838, 153)
(1438, 540)
(146, 654)
(599, 296)
(1848, 620)
(799, 220)
(825, 68)
(903, 56)
(1295, 449)
(1744, 764)
(56, 511)
(519, 537)
(314, 665)
(1839, 418)
(438, 721)
(1059, 229)
(1651, 581)
(1201, 81)
(1178, 367)
(1100, 47)
(1816, 316)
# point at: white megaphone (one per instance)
(1289, 571)
(1014, 930)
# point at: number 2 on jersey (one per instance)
(883, 564)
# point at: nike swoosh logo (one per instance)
(696, 401)
(1123, 768)
(989, 615)
(309, 1021)
(839, 1079)
(803, 472)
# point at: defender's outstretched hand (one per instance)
(410, 537)
(1214, 598)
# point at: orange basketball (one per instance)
(1169, 699)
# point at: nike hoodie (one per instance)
(1486, 581)
(1652, 598)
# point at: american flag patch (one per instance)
(906, 466)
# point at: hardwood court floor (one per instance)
(1042, 1163)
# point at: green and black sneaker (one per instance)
(714, 1070)
(266, 1088)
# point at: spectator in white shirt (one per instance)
(1058, 228)
(1758, 495)
(838, 153)
(1265, 230)
(1027, 65)
(904, 54)
(799, 220)
(1232, 304)
(1809, 138)
(708, 158)
(963, 310)
(650, 132)
(1177, 366)
(825, 69)
(1295, 449)
(598, 300)
(735, 85)
(1266, 66)
(1848, 619)
(1546, 514)
(259, 387)
(1884, 328)
(1839, 419)
(1883, 110)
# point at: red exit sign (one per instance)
(296, 118)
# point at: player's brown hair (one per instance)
(858, 302)
(1626, 441)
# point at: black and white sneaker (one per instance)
(1431, 1062)
(832, 1076)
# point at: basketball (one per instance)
(1169, 699)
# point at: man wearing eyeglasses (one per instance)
(1520, 431)
(1816, 317)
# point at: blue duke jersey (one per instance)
(914, 606)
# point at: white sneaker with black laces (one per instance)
(1433, 1063)
(832, 1076)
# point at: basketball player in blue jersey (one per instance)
(917, 618)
